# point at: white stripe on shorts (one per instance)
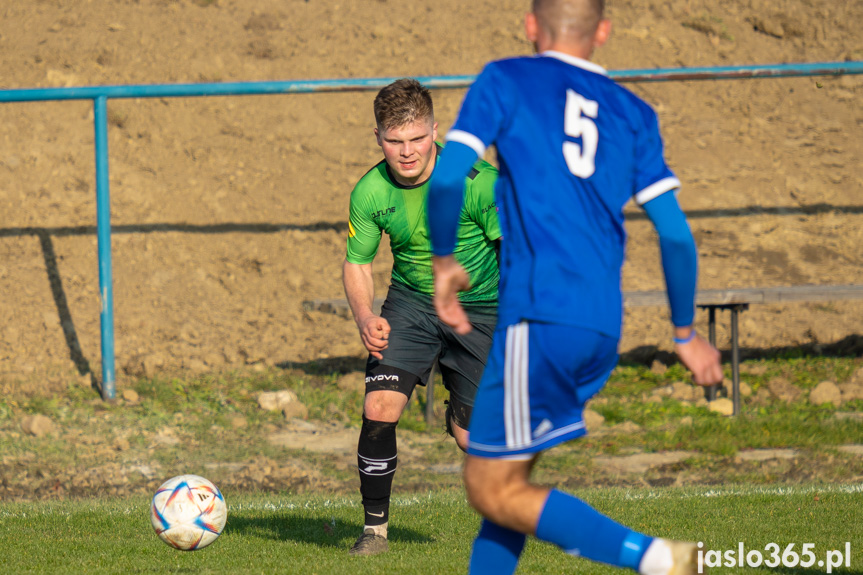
(515, 384)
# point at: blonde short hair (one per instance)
(403, 102)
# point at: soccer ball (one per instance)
(188, 512)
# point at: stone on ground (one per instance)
(38, 425)
(826, 392)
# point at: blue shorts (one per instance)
(536, 381)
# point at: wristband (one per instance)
(687, 339)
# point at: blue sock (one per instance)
(580, 530)
(496, 550)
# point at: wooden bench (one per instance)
(733, 300)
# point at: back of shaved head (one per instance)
(574, 20)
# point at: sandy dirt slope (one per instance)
(228, 212)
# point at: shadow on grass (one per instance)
(849, 346)
(322, 530)
(327, 366)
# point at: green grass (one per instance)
(777, 424)
(200, 414)
(430, 532)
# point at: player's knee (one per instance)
(384, 406)
(481, 488)
(380, 412)
(485, 501)
(457, 419)
(460, 436)
(473, 488)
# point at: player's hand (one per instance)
(449, 279)
(374, 331)
(702, 359)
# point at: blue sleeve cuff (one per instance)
(679, 256)
(446, 196)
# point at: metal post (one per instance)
(735, 360)
(711, 334)
(103, 233)
(711, 327)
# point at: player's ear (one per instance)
(603, 31)
(434, 131)
(531, 27)
(378, 137)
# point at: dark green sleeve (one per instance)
(364, 235)
(480, 200)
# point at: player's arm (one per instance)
(680, 266)
(446, 196)
(679, 257)
(444, 204)
(364, 236)
(360, 292)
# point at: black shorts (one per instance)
(417, 339)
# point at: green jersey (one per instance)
(380, 204)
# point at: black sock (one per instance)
(377, 454)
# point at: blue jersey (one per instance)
(573, 148)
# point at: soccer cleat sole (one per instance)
(369, 544)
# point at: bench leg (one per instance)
(735, 360)
(711, 335)
(711, 391)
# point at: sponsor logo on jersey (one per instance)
(490, 207)
(382, 378)
(382, 213)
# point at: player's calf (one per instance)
(377, 458)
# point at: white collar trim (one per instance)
(575, 61)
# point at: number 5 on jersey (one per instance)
(577, 122)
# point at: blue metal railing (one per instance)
(101, 94)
